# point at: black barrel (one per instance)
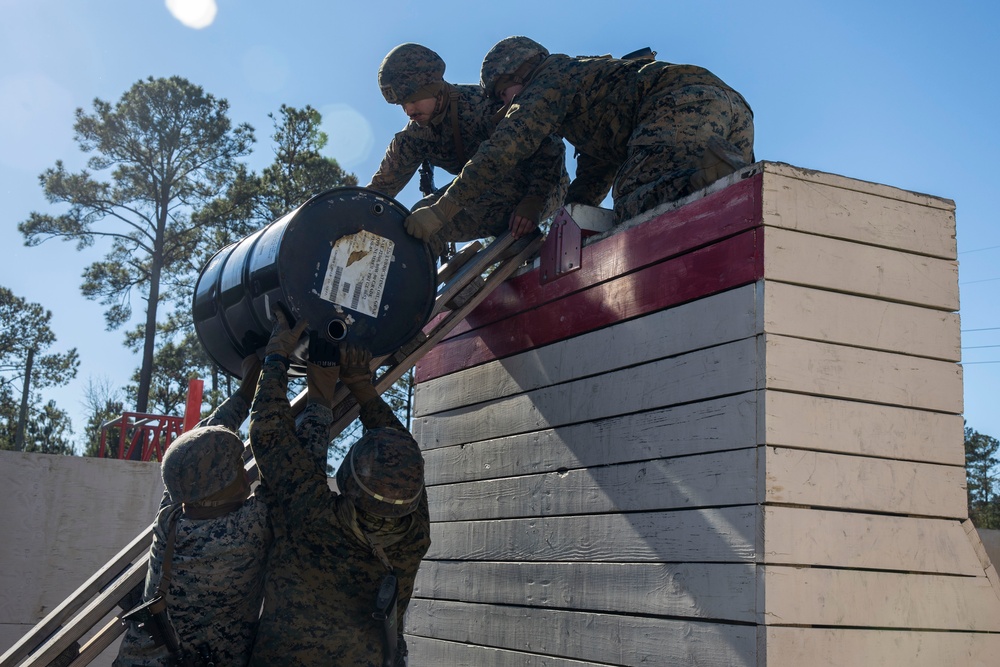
(342, 260)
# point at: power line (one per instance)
(992, 247)
(969, 363)
(983, 329)
(972, 282)
(977, 347)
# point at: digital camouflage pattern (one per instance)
(202, 462)
(362, 476)
(406, 69)
(640, 126)
(323, 576)
(540, 173)
(217, 575)
(505, 58)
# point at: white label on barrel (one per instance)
(355, 276)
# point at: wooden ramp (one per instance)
(733, 437)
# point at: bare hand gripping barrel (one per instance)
(342, 260)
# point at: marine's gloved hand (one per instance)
(322, 370)
(251, 373)
(427, 221)
(283, 339)
(355, 371)
(526, 216)
(719, 159)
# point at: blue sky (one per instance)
(900, 93)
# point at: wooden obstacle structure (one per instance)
(733, 437)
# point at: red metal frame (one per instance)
(150, 434)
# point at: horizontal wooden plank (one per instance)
(708, 270)
(832, 317)
(716, 425)
(714, 320)
(707, 480)
(824, 538)
(726, 535)
(626, 250)
(836, 647)
(854, 268)
(821, 479)
(810, 367)
(603, 638)
(427, 651)
(867, 599)
(701, 375)
(719, 591)
(859, 211)
(853, 427)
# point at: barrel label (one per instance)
(356, 273)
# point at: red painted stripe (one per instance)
(709, 270)
(707, 220)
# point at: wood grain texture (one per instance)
(427, 651)
(825, 538)
(725, 535)
(819, 479)
(700, 375)
(690, 590)
(866, 599)
(714, 320)
(838, 371)
(803, 312)
(854, 427)
(708, 270)
(603, 638)
(714, 425)
(858, 211)
(854, 268)
(707, 480)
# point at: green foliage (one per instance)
(165, 148)
(25, 337)
(980, 470)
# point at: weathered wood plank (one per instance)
(603, 638)
(708, 270)
(704, 374)
(836, 647)
(726, 535)
(812, 537)
(853, 427)
(802, 477)
(860, 598)
(692, 428)
(626, 250)
(714, 320)
(426, 651)
(838, 371)
(719, 591)
(802, 312)
(858, 211)
(853, 268)
(707, 480)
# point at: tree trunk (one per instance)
(22, 416)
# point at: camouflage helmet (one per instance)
(383, 473)
(406, 69)
(505, 59)
(201, 462)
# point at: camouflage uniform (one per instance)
(323, 576)
(217, 573)
(639, 126)
(541, 173)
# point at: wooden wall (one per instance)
(63, 518)
(733, 437)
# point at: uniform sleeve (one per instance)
(313, 433)
(537, 112)
(401, 160)
(546, 168)
(376, 413)
(287, 469)
(592, 182)
(230, 414)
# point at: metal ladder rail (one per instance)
(64, 625)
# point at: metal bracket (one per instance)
(562, 250)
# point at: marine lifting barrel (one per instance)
(342, 260)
